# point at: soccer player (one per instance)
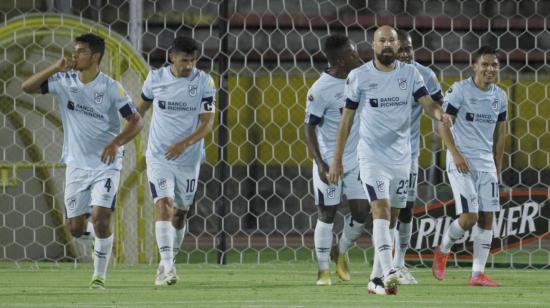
(405, 54)
(383, 92)
(183, 100)
(90, 103)
(325, 101)
(475, 146)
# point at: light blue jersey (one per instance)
(325, 100)
(90, 115)
(177, 104)
(384, 101)
(433, 87)
(477, 113)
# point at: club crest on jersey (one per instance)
(162, 183)
(98, 98)
(331, 192)
(193, 90)
(402, 83)
(494, 105)
(380, 186)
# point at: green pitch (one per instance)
(249, 285)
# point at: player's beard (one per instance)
(386, 57)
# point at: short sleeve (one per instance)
(352, 91)
(503, 112)
(122, 100)
(51, 85)
(208, 102)
(315, 107)
(453, 100)
(433, 87)
(147, 89)
(419, 87)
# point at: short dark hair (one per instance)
(402, 35)
(484, 50)
(333, 45)
(184, 44)
(96, 43)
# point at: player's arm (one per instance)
(132, 127)
(313, 145)
(35, 83)
(337, 168)
(434, 110)
(499, 140)
(146, 98)
(206, 124)
(143, 105)
(449, 141)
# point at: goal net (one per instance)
(254, 200)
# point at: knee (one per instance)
(380, 210)
(101, 226)
(326, 215)
(76, 231)
(164, 204)
(468, 221)
(163, 208)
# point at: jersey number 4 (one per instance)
(108, 185)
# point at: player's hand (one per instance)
(175, 150)
(323, 170)
(64, 64)
(460, 162)
(109, 153)
(446, 120)
(335, 172)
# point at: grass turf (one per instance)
(255, 285)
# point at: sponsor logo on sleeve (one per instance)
(121, 91)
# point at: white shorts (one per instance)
(87, 188)
(388, 182)
(178, 183)
(329, 195)
(413, 181)
(475, 191)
